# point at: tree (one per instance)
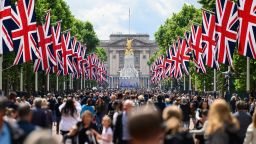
(59, 11)
(86, 34)
(176, 25)
(101, 53)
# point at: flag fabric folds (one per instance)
(24, 34)
(226, 30)
(247, 28)
(47, 59)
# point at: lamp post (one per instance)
(228, 74)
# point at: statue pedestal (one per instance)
(129, 76)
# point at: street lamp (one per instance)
(228, 75)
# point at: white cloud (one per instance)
(111, 16)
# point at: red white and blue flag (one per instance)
(67, 53)
(47, 59)
(168, 62)
(185, 56)
(24, 34)
(101, 73)
(83, 61)
(247, 28)
(91, 67)
(154, 73)
(6, 25)
(196, 46)
(76, 58)
(226, 30)
(208, 40)
(177, 60)
(160, 68)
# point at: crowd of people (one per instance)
(126, 117)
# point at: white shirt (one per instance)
(105, 134)
(67, 122)
(115, 117)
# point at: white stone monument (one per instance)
(129, 76)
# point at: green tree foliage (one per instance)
(176, 25)
(207, 4)
(59, 11)
(101, 53)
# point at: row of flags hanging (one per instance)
(232, 25)
(50, 49)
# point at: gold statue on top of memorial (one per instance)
(129, 50)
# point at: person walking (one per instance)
(222, 127)
(69, 116)
(250, 137)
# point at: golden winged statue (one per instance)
(129, 50)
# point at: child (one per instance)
(106, 136)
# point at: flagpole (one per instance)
(248, 75)
(48, 82)
(36, 81)
(64, 84)
(84, 82)
(184, 83)
(189, 84)
(214, 82)
(57, 83)
(1, 72)
(195, 85)
(81, 82)
(21, 79)
(70, 80)
(171, 84)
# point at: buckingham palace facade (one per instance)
(115, 47)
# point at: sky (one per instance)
(112, 16)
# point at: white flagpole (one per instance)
(1, 72)
(195, 85)
(36, 81)
(214, 81)
(184, 83)
(70, 81)
(21, 79)
(248, 75)
(81, 82)
(57, 83)
(189, 84)
(64, 84)
(48, 82)
(171, 84)
(84, 83)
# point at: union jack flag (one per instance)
(47, 59)
(67, 53)
(208, 40)
(6, 25)
(83, 61)
(160, 67)
(196, 46)
(57, 50)
(25, 33)
(177, 60)
(91, 67)
(168, 62)
(247, 29)
(101, 73)
(76, 57)
(226, 30)
(185, 56)
(154, 72)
